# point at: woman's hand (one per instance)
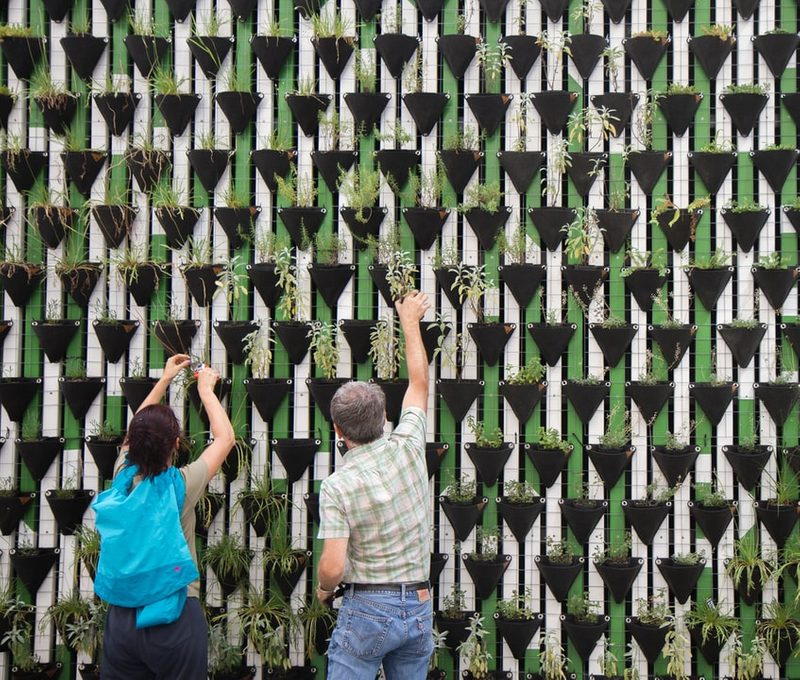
(207, 379)
(175, 364)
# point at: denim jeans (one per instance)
(377, 627)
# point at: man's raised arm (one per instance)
(411, 309)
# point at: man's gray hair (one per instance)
(359, 409)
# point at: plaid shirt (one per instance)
(379, 499)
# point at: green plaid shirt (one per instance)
(379, 500)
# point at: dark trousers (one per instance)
(176, 651)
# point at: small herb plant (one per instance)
(461, 490)
(550, 439)
(518, 607)
(529, 374)
(560, 551)
(486, 439)
(519, 492)
(584, 609)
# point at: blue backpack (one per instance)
(145, 561)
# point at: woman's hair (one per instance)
(151, 438)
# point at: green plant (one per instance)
(488, 538)
(583, 608)
(615, 552)
(292, 303)
(268, 244)
(644, 259)
(228, 557)
(749, 324)
(717, 260)
(324, 347)
(748, 567)
(264, 619)
(746, 664)
(326, 247)
(488, 197)
(773, 260)
(492, 439)
(365, 72)
(475, 650)
(709, 617)
(517, 245)
(655, 609)
(463, 139)
(425, 188)
(718, 145)
(279, 557)
(461, 490)
(387, 348)
(331, 25)
(400, 273)
(87, 549)
(718, 31)
(296, 190)
(582, 235)
(472, 284)
(454, 605)
(313, 617)
(223, 656)
(529, 374)
(232, 281)
(582, 124)
(549, 438)
(164, 81)
(360, 189)
(560, 552)
(553, 661)
(677, 651)
(519, 492)
(607, 660)
(445, 256)
(334, 131)
(18, 636)
(129, 261)
(688, 558)
(258, 351)
(555, 44)
(45, 90)
(518, 607)
(79, 622)
(491, 60)
(617, 435)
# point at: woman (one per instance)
(177, 650)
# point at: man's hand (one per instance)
(175, 364)
(412, 307)
(326, 597)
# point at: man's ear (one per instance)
(338, 431)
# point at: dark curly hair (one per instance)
(151, 439)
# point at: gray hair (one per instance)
(359, 409)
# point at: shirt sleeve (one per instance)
(410, 430)
(195, 475)
(332, 518)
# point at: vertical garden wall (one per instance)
(599, 199)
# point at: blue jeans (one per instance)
(381, 627)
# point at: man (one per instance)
(375, 522)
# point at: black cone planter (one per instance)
(521, 166)
(745, 226)
(209, 165)
(554, 107)
(396, 49)
(357, 334)
(21, 280)
(647, 167)
(457, 629)
(434, 452)
(331, 164)
(366, 108)
(779, 400)
(552, 341)
(55, 336)
(201, 282)
(650, 399)
(681, 578)
(294, 337)
(650, 638)
(621, 105)
(243, 9)
(426, 108)
(32, 569)
(272, 162)
(331, 280)
(104, 453)
(748, 465)
(68, 511)
(744, 108)
(397, 164)
(7, 102)
(489, 110)
(363, 223)
(459, 166)
(494, 10)
(144, 284)
(523, 280)
(39, 454)
(80, 393)
(267, 394)
(24, 166)
(426, 224)
(675, 464)
(176, 336)
(524, 51)
(710, 648)
(237, 223)
(743, 342)
(265, 281)
(613, 342)
(555, 9)
(778, 520)
(147, 167)
(712, 167)
(334, 53)
(775, 165)
(82, 167)
(491, 339)
(559, 577)
(619, 578)
(550, 222)
(610, 463)
(522, 398)
(487, 225)
(11, 510)
(178, 110)
(713, 520)
(549, 463)
(180, 9)
(239, 108)
(585, 399)
(306, 109)
(486, 574)
(296, 455)
(178, 223)
(459, 395)
(646, 53)
(518, 633)
(711, 52)
(520, 517)
(287, 582)
(22, 53)
(117, 109)
(713, 399)
(646, 519)
(489, 462)
(209, 51)
(80, 282)
(679, 110)
(458, 51)
(584, 168)
(585, 51)
(232, 334)
(775, 283)
(115, 221)
(673, 342)
(644, 284)
(136, 390)
(146, 51)
(52, 223)
(776, 49)
(616, 226)
(582, 519)
(17, 393)
(446, 280)
(463, 516)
